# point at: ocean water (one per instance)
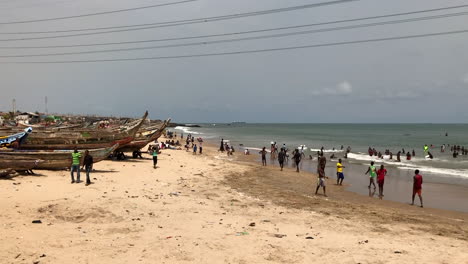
(442, 169)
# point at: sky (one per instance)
(422, 80)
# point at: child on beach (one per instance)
(381, 173)
(194, 149)
(155, 156)
(281, 158)
(417, 187)
(297, 159)
(263, 152)
(339, 173)
(321, 174)
(372, 174)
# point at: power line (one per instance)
(204, 36)
(94, 14)
(245, 51)
(243, 39)
(238, 33)
(172, 23)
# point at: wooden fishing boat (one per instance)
(144, 139)
(84, 139)
(19, 164)
(14, 140)
(53, 159)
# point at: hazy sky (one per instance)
(416, 80)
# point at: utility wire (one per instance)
(245, 51)
(242, 39)
(94, 14)
(180, 22)
(204, 36)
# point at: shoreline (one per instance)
(397, 188)
(206, 209)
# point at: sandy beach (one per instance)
(212, 208)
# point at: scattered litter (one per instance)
(175, 193)
(42, 256)
(397, 252)
(37, 222)
(17, 256)
(279, 235)
(309, 237)
(242, 233)
(364, 242)
(252, 224)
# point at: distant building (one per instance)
(28, 118)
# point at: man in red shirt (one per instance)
(417, 186)
(380, 179)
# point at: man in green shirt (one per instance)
(372, 174)
(76, 158)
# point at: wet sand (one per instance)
(212, 208)
(398, 184)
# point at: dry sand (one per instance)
(211, 209)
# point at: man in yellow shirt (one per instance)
(339, 173)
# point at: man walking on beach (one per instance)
(76, 157)
(297, 159)
(372, 174)
(155, 156)
(381, 173)
(263, 152)
(339, 173)
(88, 166)
(322, 161)
(281, 158)
(417, 187)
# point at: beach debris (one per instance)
(42, 256)
(398, 252)
(252, 224)
(174, 193)
(309, 237)
(266, 221)
(37, 222)
(278, 235)
(242, 233)
(364, 242)
(17, 256)
(36, 262)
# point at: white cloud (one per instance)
(340, 89)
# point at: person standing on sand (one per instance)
(322, 162)
(194, 149)
(381, 173)
(297, 159)
(201, 147)
(281, 158)
(155, 156)
(417, 186)
(221, 148)
(76, 157)
(263, 152)
(88, 166)
(339, 173)
(372, 174)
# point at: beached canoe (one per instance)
(84, 139)
(53, 159)
(142, 139)
(14, 140)
(18, 163)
